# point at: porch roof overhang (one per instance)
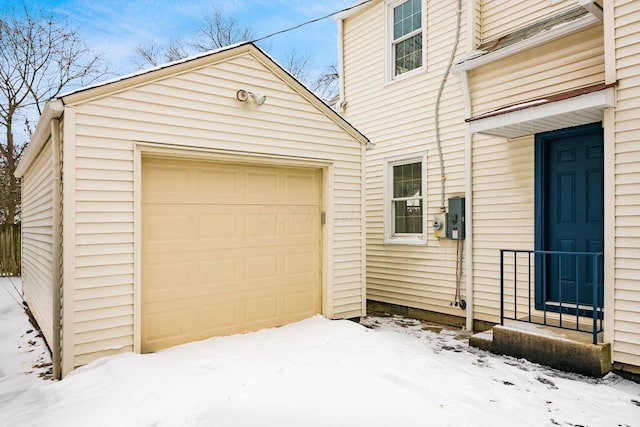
(586, 15)
(567, 109)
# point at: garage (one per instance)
(227, 248)
(210, 196)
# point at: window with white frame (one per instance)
(406, 36)
(405, 220)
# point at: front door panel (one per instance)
(572, 183)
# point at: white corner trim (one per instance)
(137, 247)
(363, 231)
(327, 175)
(609, 277)
(68, 241)
(341, 87)
(537, 40)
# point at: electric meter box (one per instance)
(455, 219)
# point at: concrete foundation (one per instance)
(558, 348)
(377, 308)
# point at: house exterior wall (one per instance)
(503, 170)
(399, 118)
(37, 237)
(571, 62)
(193, 114)
(503, 214)
(626, 152)
(503, 16)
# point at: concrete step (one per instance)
(563, 349)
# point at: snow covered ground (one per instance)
(389, 372)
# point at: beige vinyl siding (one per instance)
(626, 347)
(37, 237)
(104, 246)
(476, 37)
(196, 109)
(501, 17)
(503, 215)
(571, 62)
(399, 118)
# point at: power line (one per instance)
(311, 22)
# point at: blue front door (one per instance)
(569, 213)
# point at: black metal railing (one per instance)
(533, 271)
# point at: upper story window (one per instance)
(406, 37)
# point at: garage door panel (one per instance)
(262, 310)
(300, 263)
(214, 183)
(196, 227)
(188, 319)
(219, 183)
(297, 303)
(299, 189)
(260, 222)
(164, 179)
(261, 268)
(218, 316)
(216, 225)
(169, 273)
(187, 225)
(169, 325)
(232, 248)
(221, 272)
(227, 271)
(261, 186)
(168, 227)
(301, 221)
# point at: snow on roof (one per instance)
(526, 37)
(156, 68)
(531, 30)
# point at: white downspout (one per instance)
(468, 186)
(340, 106)
(57, 246)
(608, 123)
(468, 180)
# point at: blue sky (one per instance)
(116, 27)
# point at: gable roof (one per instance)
(54, 108)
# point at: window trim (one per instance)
(388, 217)
(390, 76)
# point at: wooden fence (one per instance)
(10, 260)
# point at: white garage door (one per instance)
(226, 248)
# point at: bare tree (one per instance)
(152, 54)
(296, 63)
(148, 54)
(214, 32)
(39, 58)
(326, 85)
